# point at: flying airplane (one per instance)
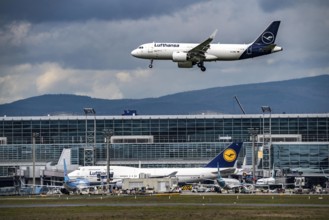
(225, 160)
(186, 55)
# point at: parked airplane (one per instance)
(73, 185)
(227, 183)
(266, 181)
(225, 160)
(187, 55)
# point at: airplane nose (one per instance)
(134, 53)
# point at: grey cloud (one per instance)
(271, 6)
(75, 33)
(276, 5)
(90, 45)
(37, 11)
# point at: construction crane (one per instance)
(237, 100)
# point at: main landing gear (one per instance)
(201, 66)
(151, 64)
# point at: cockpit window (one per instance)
(141, 47)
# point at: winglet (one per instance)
(212, 36)
(227, 157)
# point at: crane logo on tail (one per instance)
(229, 155)
(268, 38)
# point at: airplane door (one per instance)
(150, 50)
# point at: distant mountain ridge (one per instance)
(305, 95)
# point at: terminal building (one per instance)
(280, 141)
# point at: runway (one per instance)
(157, 205)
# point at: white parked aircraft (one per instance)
(225, 161)
(187, 54)
(266, 181)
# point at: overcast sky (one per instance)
(83, 47)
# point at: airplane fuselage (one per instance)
(216, 52)
(164, 51)
(95, 174)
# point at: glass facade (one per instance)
(175, 139)
(304, 156)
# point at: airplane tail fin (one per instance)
(227, 157)
(269, 35)
(264, 44)
(66, 177)
(220, 180)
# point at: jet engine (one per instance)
(186, 64)
(179, 56)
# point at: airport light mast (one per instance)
(108, 134)
(90, 138)
(253, 132)
(34, 136)
(267, 139)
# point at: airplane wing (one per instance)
(173, 174)
(198, 52)
(226, 171)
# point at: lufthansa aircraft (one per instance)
(186, 55)
(225, 161)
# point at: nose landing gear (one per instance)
(151, 64)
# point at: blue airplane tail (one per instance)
(220, 180)
(227, 157)
(66, 177)
(269, 35)
(264, 44)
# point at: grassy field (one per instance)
(171, 207)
